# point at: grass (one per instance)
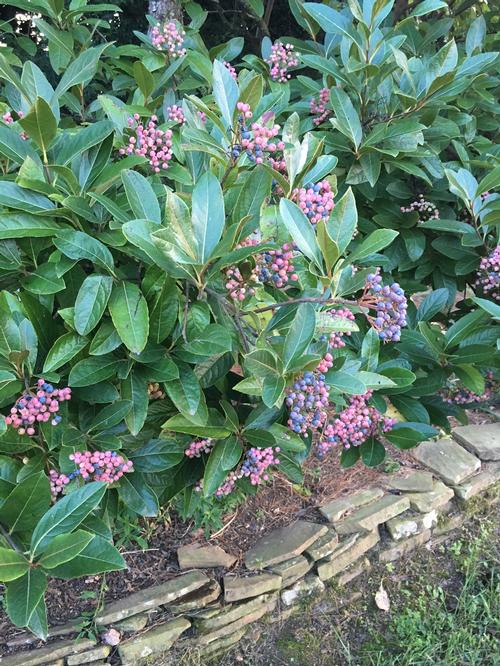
(445, 611)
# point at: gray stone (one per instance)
(409, 524)
(152, 597)
(324, 546)
(412, 482)
(483, 440)
(133, 623)
(306, 587)
(448, 523)
(138, 649)
(439, 496)
(250, 586)
(403, 548)
(333, 511)
(197, 600)
(447, 459)
(50, 654)
(338, 561)
(221, 645)
(476, 484)
(283, 544)
(292, 570)
(353, 572)
(99, 652)
(231, 613)
(370, 516)
(228, 629)
(196, 556)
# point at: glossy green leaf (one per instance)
(208, 217)
(12, 564)
(300, 333)
(23, 596)
(97, 557)
(129, 312)
(26, 503)
(372, 452)
(343, 220)
(78, 245)
(110, 415)
(346, 117)
(64, 548)
(91, 301)
(90, 371)
(40, 125)
(141, 196)
(301, 230)
(63, 350)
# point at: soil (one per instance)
(275, 505)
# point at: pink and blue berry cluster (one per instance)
(315, 200)
(488, 275)
(336, 340)
(457, 394)
(230, 69)
(169, 37)
(390, 304)
(426, 209)
(149, 142)
(319, 108)
(280, 60)
(40, 406)
(353, 426)
(176, 114)
(105, 466)
(258, 140)
(199, 446)
(307, 399)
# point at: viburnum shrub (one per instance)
(206, 278)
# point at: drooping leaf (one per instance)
(129, 312)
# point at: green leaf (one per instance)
(301, 230)
(144, 79)
(40, 125)
(91, 301)
(180, 423)
(208, 217)
(78, 245)
(343, 221)
(299, 334)
(432, 304)
(488, 306)
(401, 376)
(214, 339)
(453, 226)
(13, 147)
(225, 92)
(223, 457)
(491, 181)
(370, 349)
(135, 389)
(129, 312)
(66, 515)
(22, 225)
(81, 70)
(373, 380)
(349, 457)
(23, 596)
(64, 548)
(328, 247)
(372, 452)
(345, 382)
(44, 281)
(273, 390)
(137, 495)
(261, 363)
(158, 455)
(475, 35)
(110, 415)
(374, 242)
(330, 20)
(407, 435)
(185, 392)
(63, 350)
(428, 6)
(142, 234)
(346, 117)
(70, 145)
(464, 327)
(164, 312)
(12, 564)
(20, 198)
(470, 377)
(141, 196)
(97, 557)
(26, 503)
(90, 371)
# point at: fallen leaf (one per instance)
(382, 599)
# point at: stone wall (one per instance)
(194, 612)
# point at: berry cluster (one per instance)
(176, 114)
(169, 38)
(150, 142)
(38, 407)
(281, 59)
(231, 69)
(255, 466)
(202, 116)
(390, 305)
(199, 446)
(318, 108)
(155, 392)
(426, 209)
(106, 466)
(488, 275)
(316, 201)
(456, 394)
(335, 341)
(236, 284)
(256, 140)
(353, 426)
(9, 120)
(307, 401)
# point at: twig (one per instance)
(310, 299)
(225, 527)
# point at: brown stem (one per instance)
(309, 299)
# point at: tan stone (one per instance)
(50, 654)
(333, 511)
(229, 614)
(138, 649)
(374, 514)
(292, 570)
(409, 524)
(436, 499)
(152, 597)
(196, 556)
(229, 629)
(133, 623)
(405, 547)
(447, 459)
(283, 544)
(482, 440)
(324, 546)
(221, 645)
(99, 652)
(412, 482)
(306, 587)
(353, 572)
(236, 588)
(449, 523)
(197, 600)
(476, 484)
(337, 562)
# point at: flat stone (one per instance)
(196, 556)
(483, 440)
(405, 547)
(283, 544)
(236, 588)
(99, 652)
(438, 497)
(221, 645)
(292, 570)
(447, 459)
(409, 524)
(231, 613)
(159, 639)
(412, 482)
(353, 572)
(338, 561)
(449, 523)
(52, 653)
(476, 484)
(198, 599)
(152, 597)
(370, 516)
(339, 507)
(133, 623)
(324, 546)
(306, 587)
(229, 629)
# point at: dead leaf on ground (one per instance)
(382, 599)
